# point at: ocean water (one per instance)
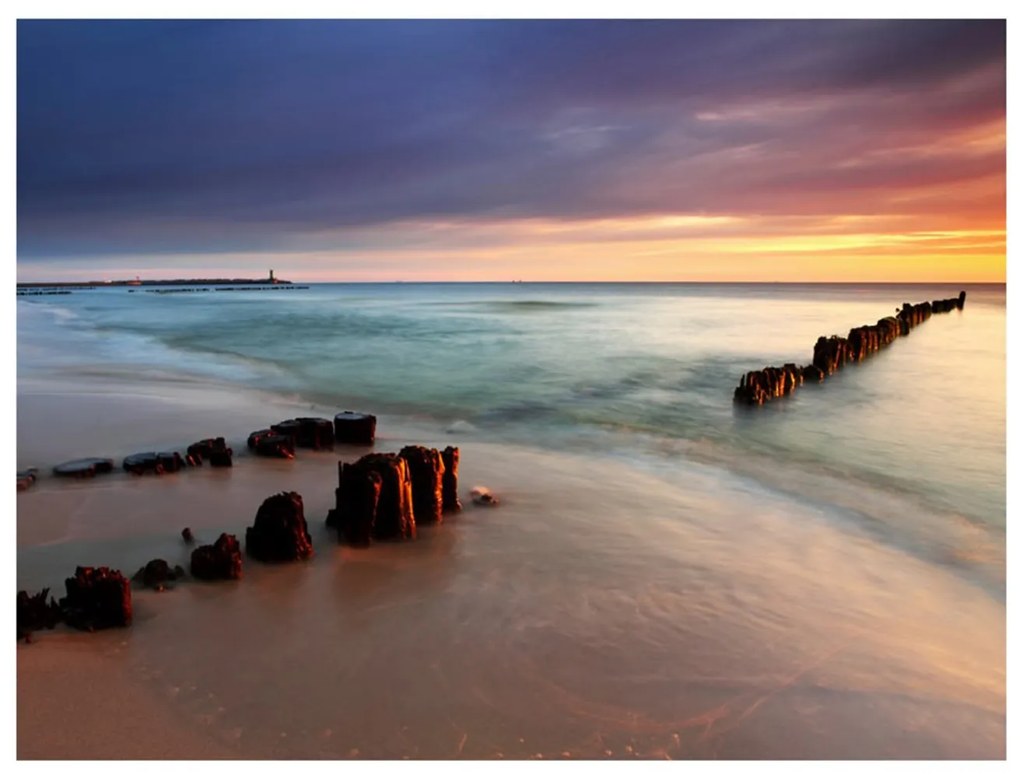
(872, 506)
(909, 444)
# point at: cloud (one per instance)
(176, 137)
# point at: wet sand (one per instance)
(599, 612)
(117, 714)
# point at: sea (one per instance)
(839, 553)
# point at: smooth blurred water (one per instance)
(668, 574)
(908, 447)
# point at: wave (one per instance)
(889, 511)
(521, 305)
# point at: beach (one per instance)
(614, 605)
(713, 311)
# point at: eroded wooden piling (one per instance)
(385, 496)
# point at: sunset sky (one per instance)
(572, 150)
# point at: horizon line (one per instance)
(222, 281)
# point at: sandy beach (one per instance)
(517, 632)
(123, 521)
(716, 309)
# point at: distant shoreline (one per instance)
(136, 283)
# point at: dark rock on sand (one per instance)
(215, 451)
(451, 462)
(269, 443)
(36, 612)
(354, 428)
(483, 496)
(84, 467)
(97, 598)
(27, 478)
(280, 533)
(426, 468)
(222, 560)
(157, 574)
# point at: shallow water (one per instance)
(822, 577)
(910, 445)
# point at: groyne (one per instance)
(833, 352)
(379, 497)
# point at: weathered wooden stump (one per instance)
(812, 373)
(354, 428)
(451, 462)
(426, 468)
(158, 575)
(187, 535)
(861, 342)
(157, 462)
(888, 329)
(36, 612)
(310, 432)
(280, 533)
(386, 516)
(357, 502)
(948, 305)
(85, 467)
(215, 451)
(221, 560)
(831, 352)
(394, 518)
(97, 598)
(757, 387)
(865, 340)
(913, 315)
(269, 443)
(171, 461)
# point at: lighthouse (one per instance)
(271, 278)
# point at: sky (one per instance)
(503, 150)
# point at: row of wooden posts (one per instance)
(833, 352)
(381, 496)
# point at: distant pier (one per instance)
(270, 283)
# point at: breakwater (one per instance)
(381, 496)
(237, 288)
(833, 352)
(270, 280)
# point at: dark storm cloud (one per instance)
(176, 136)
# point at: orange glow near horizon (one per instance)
(843, 259)
(940, 218)
(884, 160)
(939, 234)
